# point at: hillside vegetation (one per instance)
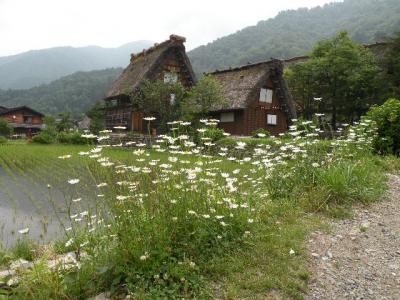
(294, 32)
(74, 93)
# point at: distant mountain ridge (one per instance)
(38, 67)
(75, 93)
(294, 32)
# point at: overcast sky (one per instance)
(37, 24)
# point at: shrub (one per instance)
(43, 138)
(5, 128)
(74, 138)
(3, 140)
(77, 139)
(213, 133)
(63, 137)
(387, 119)
(260, 133)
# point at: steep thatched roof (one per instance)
(241, 85)
(379, 49)
(144, 65)
(295, 60)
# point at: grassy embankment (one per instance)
(167, 224)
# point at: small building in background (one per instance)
(84, 124)
(25, 120)
(257, 96)
(166, 61)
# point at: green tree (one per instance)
(97, 119)
(159, 99)
(66, 123)
(204, 96)
(301, 82)
(390, 76)
(50, 125)
(340, 72)
(5, 129)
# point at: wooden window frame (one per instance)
(170, 77)
(276, 119)
(231, 120)
(264, 95)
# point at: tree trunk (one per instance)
(333, 121)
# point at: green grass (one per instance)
(148, 244)
(24, 249)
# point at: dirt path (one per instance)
(359, 258)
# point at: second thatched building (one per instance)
(257, 96)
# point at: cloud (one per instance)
(27, 24)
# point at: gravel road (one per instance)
(359, 258)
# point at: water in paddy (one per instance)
(25, 203)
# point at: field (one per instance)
(226, 219)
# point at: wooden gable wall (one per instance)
(256, 113)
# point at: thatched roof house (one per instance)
(257, 97)
(152, 62)
(167, 61)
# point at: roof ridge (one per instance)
(173, 39)
(11, 109)
(248, 65)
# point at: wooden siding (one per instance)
(118, 116)
(234, 127)
(22, 117)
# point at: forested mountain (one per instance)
(37, 67)
(74, 93)
(294, 32)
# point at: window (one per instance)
(271, 119)
(227, 117)
(172, 100)
(266, 95)
(27, 120)
(170, 77)
(112, 103)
